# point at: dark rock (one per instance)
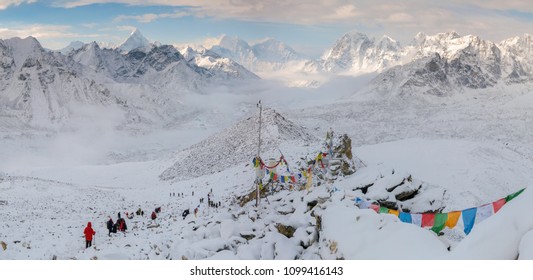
(248, 236)
(285, 230)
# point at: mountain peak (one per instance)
(232, 42)
(135, 41)
(136, 33)
(355, 35)
(272, 50)
(73, 46)
(28, 42)
(23, 48)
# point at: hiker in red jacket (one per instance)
(89, 232)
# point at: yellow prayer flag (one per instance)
(394, 212)
(453, 217)
(309, 181)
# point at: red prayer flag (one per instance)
(498, 204)
(428, 219)
(275, 177)
(293, 179)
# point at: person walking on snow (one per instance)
(110, 224)
(89, 233)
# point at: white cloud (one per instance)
(128, 28)
(4, 4)
(315, 12)
(151, 17)
(50, 36)
(491, 19)
(40, 31)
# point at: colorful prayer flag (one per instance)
(440, 221)
(309, 181)
(483, 212)
(469, 218)
(405, 217)
(428, 219)
(416, 219)
(453, 217)
(498, 204)
(394, 212)
(513, 195)
(383, 210)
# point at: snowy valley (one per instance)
(436, 126)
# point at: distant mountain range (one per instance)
(40, 87)
(145, 79)
(440, 64)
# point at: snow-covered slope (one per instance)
(46, 212)
(235, 145)
(40, 87)
(110, 63)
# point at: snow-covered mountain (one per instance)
(446, 63)
(162, 66)
(221, 68)
(266, 55)
(135, 41)
(517, 58)
(38, 86)
(356, 53)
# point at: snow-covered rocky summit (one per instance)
(220, 68)
(135, 41)
(235, 145)
(39, 86)
(356, 53)
(447, 63)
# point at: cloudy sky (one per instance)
(309, 26)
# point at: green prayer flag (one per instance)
(513, 195)
(383, 210)
(440, 221)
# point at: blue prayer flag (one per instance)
(469, 218)
(405, 217)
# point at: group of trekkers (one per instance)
(120, 224)
(114, 227)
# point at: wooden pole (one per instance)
(257, 190)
